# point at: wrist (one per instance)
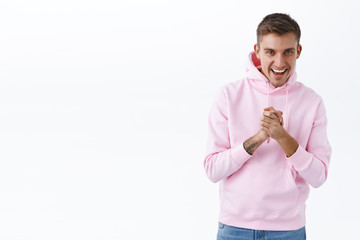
(288, 144)
(284, 138)
(251, 144)
(261, 136)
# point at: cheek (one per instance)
(292, 61)
(264, 63)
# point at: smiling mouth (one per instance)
(279, 72)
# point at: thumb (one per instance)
(279, 115)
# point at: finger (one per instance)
(279, 115)
(265, 125)
(272, 109)
(276, 114)
(272, 122)
(267, 119)
(270, 114)
(269, 108)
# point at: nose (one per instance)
(279, 61)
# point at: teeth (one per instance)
(277, 71)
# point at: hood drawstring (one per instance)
(268, 94)
(286, 108)
(268, 101)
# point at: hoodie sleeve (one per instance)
(221, 159)
(312, 162)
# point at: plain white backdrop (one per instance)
(104, 104)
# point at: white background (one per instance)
(103, 113)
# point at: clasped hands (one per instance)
(271, 124)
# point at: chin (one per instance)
(276, 83)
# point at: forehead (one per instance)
(278, 42)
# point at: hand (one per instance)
(278, 113)
(271, 123)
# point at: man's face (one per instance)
(278, 54)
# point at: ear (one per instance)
(257, 50)
(298, 52)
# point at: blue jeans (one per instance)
(227, 232)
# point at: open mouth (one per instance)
(279, 72)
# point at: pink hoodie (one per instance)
(266, 190)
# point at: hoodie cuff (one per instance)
(301, 159)
(239, 155)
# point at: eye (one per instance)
(269, 52)
(289, 52)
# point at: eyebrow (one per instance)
(274, 50)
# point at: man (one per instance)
(267, 141)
